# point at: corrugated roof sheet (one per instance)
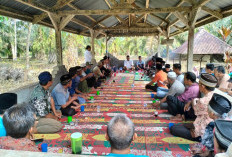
(112, 21)
(205, 43)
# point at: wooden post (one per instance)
(167, 51)
(190, 48)
(59, 47)
(107, 47)
(59, 23)
(158, 47)
(92, 32)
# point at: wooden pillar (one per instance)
(167, 51)
(190, 48)
(107, 53)
(158, 47)
(92, 32)
(59, 23)
(59, 47)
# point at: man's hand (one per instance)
(75, 103)
(90, 75)
(51, 116)
(156, 104)
(74, 98)
(165, 82)
(58, 114)
(187, 107)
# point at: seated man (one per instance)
(176, 88)
(107, 72)
(159, 79)
(179, 74)
(73, 89)
(218, 108)
(82, 80)
(91, 80)
(223, 78)
(63, 101)
(97, 72)
(199, 108)
(140, 64)
(128, 64)
(42, 101)
(120, 139)
(167, 68)
(19, 122)
(209, 68)
(88, 68)
(177, 103)
(222, 138)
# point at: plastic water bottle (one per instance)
(145, 105)
(132, 85)
(98, 108)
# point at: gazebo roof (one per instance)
(205, 43)
(119, 17)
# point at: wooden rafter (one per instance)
(214, 13)
(60, 4)
(107, 2)
(147, 6)
(128, 28)
(182, 18)
(178, 5)
(36, 5)
(124, 11)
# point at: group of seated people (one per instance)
(178, 92)
(186, 99)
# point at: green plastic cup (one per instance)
(98, 92)
(76, 142)
(69, 119)
(91, 97)
(154, 101)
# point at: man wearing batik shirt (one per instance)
(43, 102)
(199, 107)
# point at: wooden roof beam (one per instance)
(178, 5)
(60, 4)
(182, 18)
(128, 28)
(107, 2)
(124, 11)
(103, 19)
(214, 13)
(147, 6)
(129, 34)
(36, 5)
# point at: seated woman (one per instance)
(63, 101)
(19, 121)
(218, 108)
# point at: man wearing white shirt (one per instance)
(128, 64)
(88, 54)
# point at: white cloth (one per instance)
(88, 56)
(83, 73)
(180, 78)
(128, 64)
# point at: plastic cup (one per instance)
(91, 98)
(114, 74)
(44, 147)
(152, 95)
(154, 101)
(170, 125)
(76, 142)
(82, 108)
(98, 92)
(69, 119)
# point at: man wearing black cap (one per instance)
(63, 101)
(199, 107)
(218, 108)
(43, 102)
(223, 138)
(167, 68)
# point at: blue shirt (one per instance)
(77, 81)
(60, 96)
(126, 155)
(140, 63)
(72, 89)
(2, 128)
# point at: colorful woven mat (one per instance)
(120, 94)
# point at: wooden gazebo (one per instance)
(113, 18)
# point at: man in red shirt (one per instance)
(159, 79)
